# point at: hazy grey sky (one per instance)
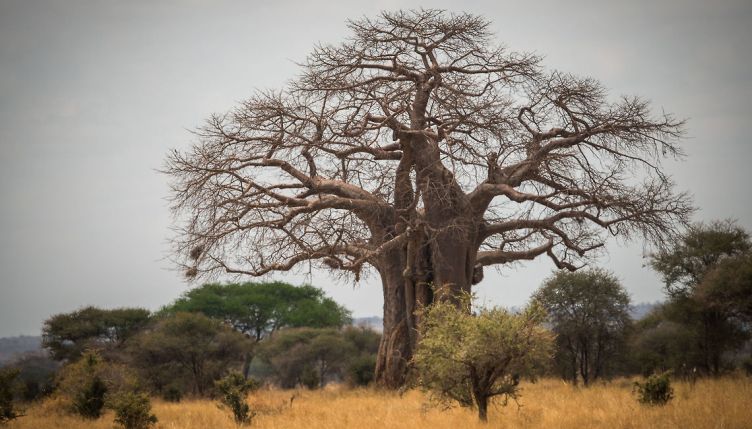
(94, 93)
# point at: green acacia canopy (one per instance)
(66, 335)
(258, 309)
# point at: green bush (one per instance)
(233, 390)
(172, 394)
(656, 390)
(472, 359)
(360, 370)
(89, 402)
(8, 410)
(309, 378)
(133, 411)
(36, 376)
(87, 384)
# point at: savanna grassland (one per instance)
(711, 403)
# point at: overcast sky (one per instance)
(94, 93)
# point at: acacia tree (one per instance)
(420, 149)
(260, 309)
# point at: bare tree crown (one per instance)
(418, 125)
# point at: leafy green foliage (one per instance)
(707, 278)
(589, 313)
(89, 382)
(658, 343)
(361, 365)
(133, 411)
(360, 370)
(312, 357)
(233, 390)
(8, 410)
(67, 335)
(36, 376)
(472, 358)
(89, 401)
(172, 394)
(684, 265)
(728, 287)
(307, 356)
(259, 309)
(187, 351)
(656, 390)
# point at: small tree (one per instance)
(233, 390)
(8, 410)
(89, 402)
(133, 411)
(36, 375)
(589, 312)
(187, 351)
(307, 356)
(474, 358)
(706, 278)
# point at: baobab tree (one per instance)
(419, 150)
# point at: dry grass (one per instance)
(725, 403)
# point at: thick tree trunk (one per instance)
(394, 349)
(439, 268)
(438, 261)
(482, 409)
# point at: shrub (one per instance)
(36, 376)
(8, 410)
(310, 378)
(172, 394)
(360, 370)
(89, 402)
(656, 390)
(87, 384)
(471, 359)
(233, 390)
(133, 411)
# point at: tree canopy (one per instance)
(259, 309)
(684, 264)
(421, 148)
(187, 351)
(66, 335)
(314, 356)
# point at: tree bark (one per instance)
(482, 408)
(438, 261)
(442, 268)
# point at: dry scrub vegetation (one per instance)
(720, 403)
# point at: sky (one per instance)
(93, 95)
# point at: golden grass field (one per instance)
(724, 403)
